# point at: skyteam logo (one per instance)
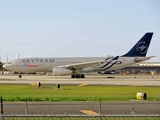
(142, 47)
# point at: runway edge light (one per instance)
(38, 84)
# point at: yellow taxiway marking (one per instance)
(82, 85)
(89, 112)
(33, 84)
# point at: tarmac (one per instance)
(133, 80)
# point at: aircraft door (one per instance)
(18, 63)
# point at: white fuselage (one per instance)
(29, 65)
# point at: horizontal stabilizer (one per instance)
(140, 59)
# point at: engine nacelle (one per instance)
(61, 71)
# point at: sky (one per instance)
(76, 28)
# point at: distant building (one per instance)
(152, 68)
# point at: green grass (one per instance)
(76, 93)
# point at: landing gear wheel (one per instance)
(78, 76)
(20, 76)
(73, 76)
(82, 76)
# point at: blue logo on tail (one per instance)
(142, 47)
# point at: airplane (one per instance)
(77, 66)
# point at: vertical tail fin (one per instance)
(141, 47)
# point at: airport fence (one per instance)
(75, 111)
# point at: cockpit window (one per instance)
(9, 62)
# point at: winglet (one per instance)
(141, 47)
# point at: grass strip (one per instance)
(76, 93)
(82, 118)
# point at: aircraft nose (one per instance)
(5, 66)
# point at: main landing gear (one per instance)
(78, 76)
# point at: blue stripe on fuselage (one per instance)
(115, 63)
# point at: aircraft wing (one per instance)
(81, 65)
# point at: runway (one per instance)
(134, 80)
(87, 107)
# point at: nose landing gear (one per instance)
(20, 76)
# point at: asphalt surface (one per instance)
(86, 107)
(138, 80)
(81, 108)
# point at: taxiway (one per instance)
(138, 80)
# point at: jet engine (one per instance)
(61, 71)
